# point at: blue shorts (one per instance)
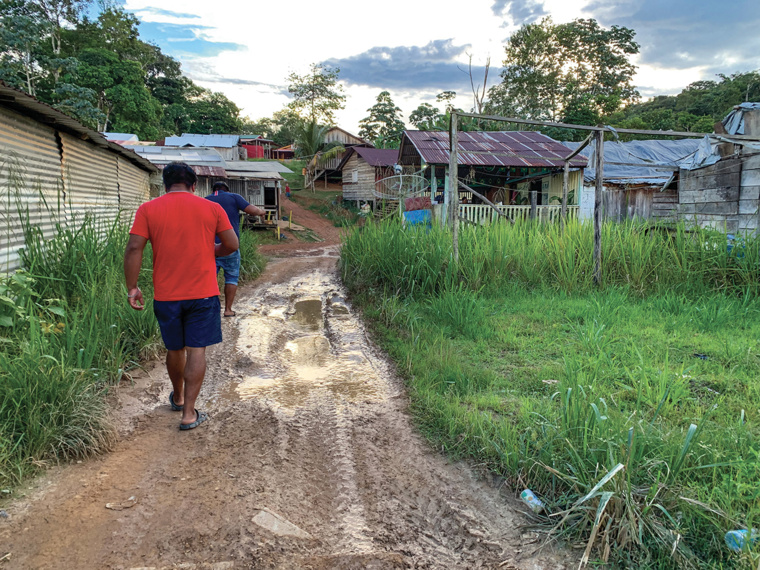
(230, 264)
(194, 323)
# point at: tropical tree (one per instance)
(383, 125)
(425, 117)
(317, 95)
(576, 71)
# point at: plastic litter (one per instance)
(128, 504)
(738, 540)
(534, 503)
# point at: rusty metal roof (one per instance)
(494, 148)
(377, 156)
(24, 103)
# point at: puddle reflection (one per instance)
(306, 348)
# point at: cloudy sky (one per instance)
(418, 48)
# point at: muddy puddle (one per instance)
(299, 342)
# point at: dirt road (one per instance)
(309, 460)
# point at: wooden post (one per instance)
(565, 182)
(598, 208)
(454, 182)
(533, 204)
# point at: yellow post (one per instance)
(278, 233)
(290, 219)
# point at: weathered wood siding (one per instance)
(749, 196)
(665, 204)
(343, 137)
(709, 197)
(625, 203)
(358, 179)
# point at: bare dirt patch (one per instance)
(309, 460)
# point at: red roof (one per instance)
(377, 156)
(499, 148)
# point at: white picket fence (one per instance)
(484, 214)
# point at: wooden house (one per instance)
(362, 167)
(330, 168)
(505, 166)
(256, 146)
(259, 182)
(721, 187)
(641, 178)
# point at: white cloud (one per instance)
(280, 38)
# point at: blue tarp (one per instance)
(644, 155)
(418, 217)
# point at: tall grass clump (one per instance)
(628, 408)
(252, 263)
(638, 257)
(66, 334)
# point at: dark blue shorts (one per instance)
(194, 323)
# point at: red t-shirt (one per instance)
(181, 228)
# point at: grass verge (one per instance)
(629, 410)
(67, 335)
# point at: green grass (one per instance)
(645, 453)
(67, 335)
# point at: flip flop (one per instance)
(174, 406)
(234, 314)
(202, 417)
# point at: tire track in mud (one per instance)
(308, 422)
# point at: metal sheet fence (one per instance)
(49, 177)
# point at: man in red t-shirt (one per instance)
(181, 228)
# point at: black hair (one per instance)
(220, 186)
(179, 173)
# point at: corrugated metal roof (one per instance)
(254, 175)
(497, 148)
(259, 166)
(734, 121)
(202, 170)
(116, 137)
(26, 104)
(190, 139)
(377, 156)
(192, 156)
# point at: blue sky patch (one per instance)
(182, 39)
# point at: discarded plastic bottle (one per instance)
(738, 540)
(535, 504)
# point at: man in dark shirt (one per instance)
(232, 204)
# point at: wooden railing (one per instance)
(484, 214)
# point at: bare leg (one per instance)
(175, 365)
(229, 297)
(195, 370)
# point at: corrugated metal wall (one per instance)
(51, 177)
(30, 182)
(134, 185)
(90, 178)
